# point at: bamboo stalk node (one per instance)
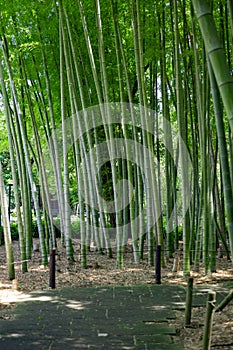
(206, 13)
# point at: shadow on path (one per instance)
(133, 317)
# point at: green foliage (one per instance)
(15, 234)
(14, 231)
(6, 166)
(75, 228)
(143, 70)
(4, 140)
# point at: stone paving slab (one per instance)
(132, 317)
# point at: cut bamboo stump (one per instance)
(188, 304)
(209, 320)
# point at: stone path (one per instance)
(116, 317)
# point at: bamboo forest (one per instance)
(116, 126)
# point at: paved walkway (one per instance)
(94, 318)
(134, 317)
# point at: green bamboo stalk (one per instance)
(23, 184)
(100, 100)
(106, 115)
(87, 167)
(227, 185)
(182, 145)
(136, 208)
(14, 177)
(18, 116)
(209, 320)
(23, 176)
(216, 55)
(52, 141)
(218, 62)
(169, 155)
(6, 228)
(83, 119)
(129, 217)
(151, 191)
(42, 171)
(67, 220)
(221, 229)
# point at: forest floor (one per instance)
(102, 271)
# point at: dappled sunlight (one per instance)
(200, 277)
(227, 324)
(157, 307)
(42, 298)
(14, 335)
(179, 304)
(76, 305)
(9, 295)
(40, 268)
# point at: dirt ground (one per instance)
(102, 271)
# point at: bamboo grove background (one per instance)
(78, 74)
